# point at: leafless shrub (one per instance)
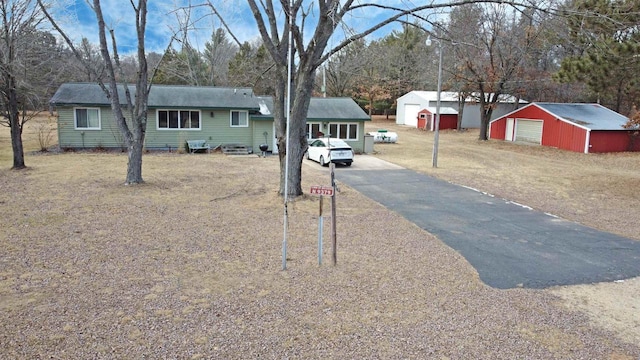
(45, 133)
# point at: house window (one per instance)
(344, 131)
(87, 118)
(313, 129)
(179, 119)
(239, 118)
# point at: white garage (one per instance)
(407, 114)
(411, 114)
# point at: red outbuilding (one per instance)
(588, 128)
(448, 118)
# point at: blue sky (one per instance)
(78, 20)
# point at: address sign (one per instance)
(321, 190)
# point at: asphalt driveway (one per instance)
(509, 244)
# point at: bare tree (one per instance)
(19, 39)
(309, 55)
(136, 105)
(91, 66)
(492, 52)
(342, 71)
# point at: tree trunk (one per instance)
(134, 165)
(296, 149)
(297, 134)
(16, 143)
(484, 124)
(487, 104)
(16, 126)
(487, 111)
(462, 100)
(296, 154)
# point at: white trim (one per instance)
(310, 134)
(587, 140)
(357, 125)
(508, 133)
(179, 122)
(75, 118)
(231, 118)
(516, 125)
(513, 112)
(557, 117)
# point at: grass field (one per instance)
(188, 265)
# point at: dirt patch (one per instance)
(614, 306)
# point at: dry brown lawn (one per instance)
(188, 265)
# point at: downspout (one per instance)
(587, 141)
(57, 126)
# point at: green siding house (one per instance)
(179, 113)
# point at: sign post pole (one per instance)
(328, 191)
(320, 227)
(333, 215)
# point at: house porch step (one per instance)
(236, 149)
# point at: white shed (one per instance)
(412, 102)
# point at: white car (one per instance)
(340, 152)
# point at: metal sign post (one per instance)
(333, 215)
(322, 191)
(320, 226)
(287, 134)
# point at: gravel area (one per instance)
(188, 266)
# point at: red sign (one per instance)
(321, 190)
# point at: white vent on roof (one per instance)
(264, 110)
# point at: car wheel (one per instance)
(348, 164)
(308, 156)
(322, 161)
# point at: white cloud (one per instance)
(78, 20)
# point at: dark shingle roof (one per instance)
(591, 116)
(161, 96)
(325, 109)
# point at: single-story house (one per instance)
(409, 104)
(218, 115)
(448, 118)
(588, 128)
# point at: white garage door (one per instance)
(529, 131)
(411, 114)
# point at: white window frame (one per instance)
(245, 112)
(348, 124)
(310, 134)
(75, 118)
(179, 111)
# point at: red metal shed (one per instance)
(448, 119)
(587, 128)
